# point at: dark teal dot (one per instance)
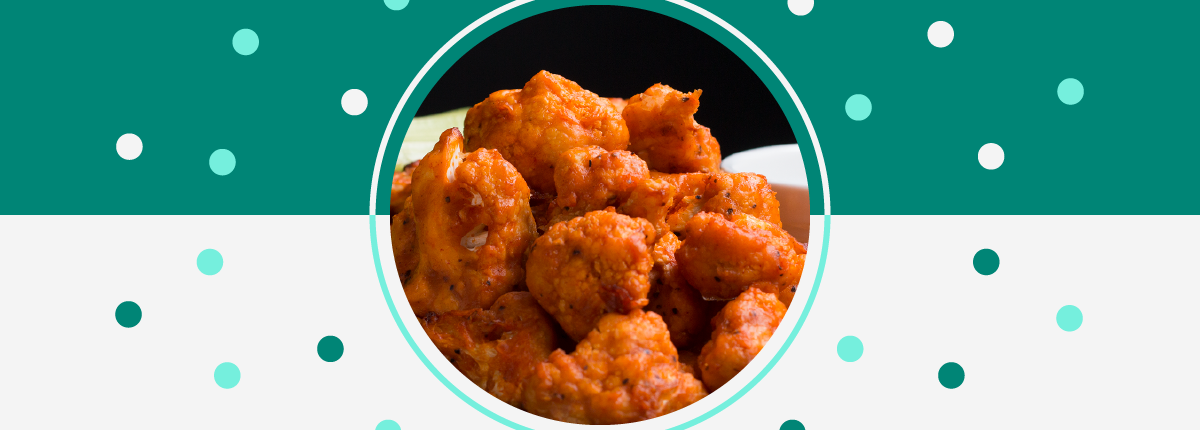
(791, 425)
(129, 314)
(986, 262)
(330, 348)
(951, 375)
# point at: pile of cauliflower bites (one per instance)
(585, 258)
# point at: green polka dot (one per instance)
(1069, 318)
(1070, 91)
(396, 5)
(129, 314)
(858, 107)
(850, 349)
(330, 348)
(951, 375)
(222, 162)
(387, 425)
(227, 375)
(245, 41)
(986, 262)
(210, 262)
(791, 425)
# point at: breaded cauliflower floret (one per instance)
(626, 370)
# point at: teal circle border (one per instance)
(378, 188)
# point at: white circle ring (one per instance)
(708, 406)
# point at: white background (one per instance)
(903, 284)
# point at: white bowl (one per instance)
(784, 168)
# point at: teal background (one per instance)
(78, 75)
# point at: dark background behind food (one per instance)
(619, 52)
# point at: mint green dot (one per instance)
(129, 314)
(850, 349)
(245, 41)
(1070, 91)
(951, 375)
(222, 162)
(396, 5)
(1069, 318)
(387, 424)
(210, 262)
(858, 107)
(227, 375)
(986, 262)
(330, 348)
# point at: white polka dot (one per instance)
(991, 156)
(354, 102)
(800, 7)
(941, 34)
(129, 146)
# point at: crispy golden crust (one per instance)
(589, 178)
(720, 258)
(680, 305)
(496, 348)
(784, 292)
(590, 266)
(665, 199)
(473, 227)
(739, 332)
(670, 200)
(627, 370)
(532, 126)
(402, 186)
(748, 193)
(663, 131)
(404, 241)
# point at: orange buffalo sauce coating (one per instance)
(626, 370)
(533, 125)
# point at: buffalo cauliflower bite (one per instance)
(664, 132)
(404, 241)
(533, 125)
(589, 178)
(626, 370)
(473, 226)
(495, 348)
(720, 258)
(402, 186)
(681, 307)
(748, 193)
(740, 331)
(590, 266)
(670, 200)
